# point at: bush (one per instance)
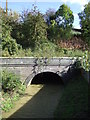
(7, 104)
(9, 44)
(8, 101)
(85, 23)
(5, 53)
(46, 49)
(21, 89)
(12, 89)
(85, 61)
(31, 29)
(10, 82)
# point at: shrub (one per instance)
(9, 44)
(12, 89)
(85, 23)
(85, 61)
(5, 53)
(10, 82)
(31, 30)
(7, 104)
(8, 101)
(46, 49)
(21, 89)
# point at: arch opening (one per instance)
(47, 78)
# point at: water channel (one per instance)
(41, 98)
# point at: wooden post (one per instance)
(6, 7)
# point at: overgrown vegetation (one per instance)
(40, 35)
(12, 89)
(85, 61)
(33, 33)
(48, 49)
(32, 29)
(74, 101)
(9, 45)
(84, 22)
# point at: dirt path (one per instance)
(39, 101)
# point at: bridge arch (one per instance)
(47, 77)
(30, 67)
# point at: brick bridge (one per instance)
(29, 67)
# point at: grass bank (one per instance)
(46, 49)
(74, 101)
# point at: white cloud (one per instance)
(75, 15)
(80, 2)
(76, 21)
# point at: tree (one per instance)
(8, 43)
(14, 21)
(85, 23)
(53, 31)
(50, 15)
(64, 16)
(64, 19)
(60, 23)
(33, 28)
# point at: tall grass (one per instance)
(48, 49)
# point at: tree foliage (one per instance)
(85, 23)
(49, 16)
(8, 43)
(61, 24)
(64, 16)
(32, 28)
(53, 31)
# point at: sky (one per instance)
(43, 5)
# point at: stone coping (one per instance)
(36, 57)
(35, 61)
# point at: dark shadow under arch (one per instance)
(44, 102)
(47, 78)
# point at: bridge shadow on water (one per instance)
(43, 103)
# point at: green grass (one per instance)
(50, 53)
(74, 101)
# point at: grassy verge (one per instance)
(74, 102)
(47, 53)
(46, 49)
